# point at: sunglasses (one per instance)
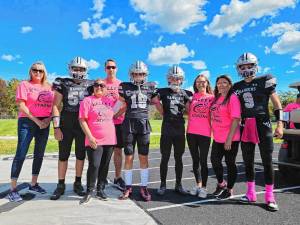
(99, 85)
(111, 67)
(37, 71)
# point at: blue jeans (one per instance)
(27, 129)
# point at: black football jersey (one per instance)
(72, 92)
(254, 96)
(137, 99)
(173, 103)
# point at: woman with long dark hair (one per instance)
(225, 117)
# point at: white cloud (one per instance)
(267, 50)
(173, 16)
(93, 64)
(103, 27)
(26, 29)
(266, 69)
(280, 28)
(288, 42)
(132, 29)
(205, 73)
(9, 57)
(98, 7)
(237, 14)
(170, 54)
(288, 37)
(196, 64)
(99, 27)
(289, 71)
(225, 67)
(297, 58)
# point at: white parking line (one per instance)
(195, 203)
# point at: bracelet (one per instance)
(278, 113)
(56, 122)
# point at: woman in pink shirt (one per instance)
(34, 98)
(198, 136)
(96, 119)
(225, 113)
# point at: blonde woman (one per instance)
(34, 98)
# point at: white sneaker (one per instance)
(202, 193)
(195, 191)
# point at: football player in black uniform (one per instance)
(254, 94)
(137, 94)
(173, 103)
(69, 92)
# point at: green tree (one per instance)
(11, 97)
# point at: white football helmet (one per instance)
(78, 68)
(139, 67)
(175, 72)
(247, 58)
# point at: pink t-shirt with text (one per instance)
(221, 118)
(99, 116)
(113, 93)
(38, 98)
(199, 117)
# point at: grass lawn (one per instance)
(8, 127)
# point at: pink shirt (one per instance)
(38, 98)
(113, 93)
(290, 107)
(98, 114)
(199, 118)
(221, 118)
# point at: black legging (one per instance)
(217, 154)
(199, 148)
(166, 143)
(266, 147)
(98, 166)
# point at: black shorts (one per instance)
(71, 130)
(136, 126)
(119, 135)
(136, 131)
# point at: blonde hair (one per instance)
(44, 79)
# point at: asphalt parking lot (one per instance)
(176, 209)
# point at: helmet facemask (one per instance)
(175, 82)
(247, 70)
(78, 68)
(175, 77)
(247, 65)
(138, 73)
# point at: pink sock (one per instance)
(251, 193)
(269, 196)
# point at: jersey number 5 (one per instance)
(248, 99)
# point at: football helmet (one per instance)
(251, 70)
(175, 72)
(78, 68)
(139, 67)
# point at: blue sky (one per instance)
(201, 36)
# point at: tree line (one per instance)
(8, 108)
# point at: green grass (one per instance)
(8, 127)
